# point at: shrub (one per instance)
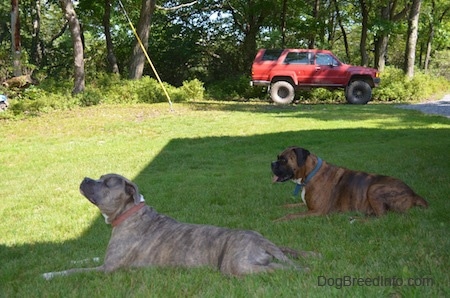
(321, 95)
(440, 64)
(233, 88)
(148, 90)
(89, 97)
(395, 86)
(192, 90)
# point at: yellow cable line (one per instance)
(146, 55)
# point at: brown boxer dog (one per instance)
(326, 188)
(142, 237)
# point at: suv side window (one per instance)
(298, 58)
(325, 59)
(271, 55)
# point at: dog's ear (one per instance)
(301, 154)
(133, 190)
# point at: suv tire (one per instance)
(358, 92)
(282, 92)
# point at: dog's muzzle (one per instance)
(281, 174)
(87, 189)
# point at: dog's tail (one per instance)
(419, 201)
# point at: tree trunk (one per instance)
(143, 31)
(15, 36)
(249, 46)
(388, 15)
(75, 32)
(111, 58)
(283, 24)
(344, 34)
(381, 41)
(315, 13)
(364, 28)
(430, 36)
(413, 28)
(36, 43)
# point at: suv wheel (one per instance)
(358, 92)
(282, 92)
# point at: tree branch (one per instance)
(176, 7)
(60, 33)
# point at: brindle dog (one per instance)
(327, 188)
(142, 237)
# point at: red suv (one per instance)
(283, 71)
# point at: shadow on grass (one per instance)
(323, 112)
(226, 181)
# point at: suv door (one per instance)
(302, 64)
(328, 70)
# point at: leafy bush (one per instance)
(192, 90)
(233, 88)
(440, 64)
(395, 86)
(52, 94)
(321, 95)
(89, 98)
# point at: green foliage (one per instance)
(233, 88)
(35, 100)
(321, 95)
(395, 86)
(440, 64)
(192, 90)
(105, 88)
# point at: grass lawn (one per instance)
(209, 163)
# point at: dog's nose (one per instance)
(87, 180)
(274, 164)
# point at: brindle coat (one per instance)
(337, 189)
(148, 238)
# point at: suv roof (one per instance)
(274, 54)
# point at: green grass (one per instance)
(209, 163)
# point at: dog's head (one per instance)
(111, 194)
(290, 164)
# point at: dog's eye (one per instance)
(110, 182)
(282, 160)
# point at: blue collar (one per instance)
(299, 186)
